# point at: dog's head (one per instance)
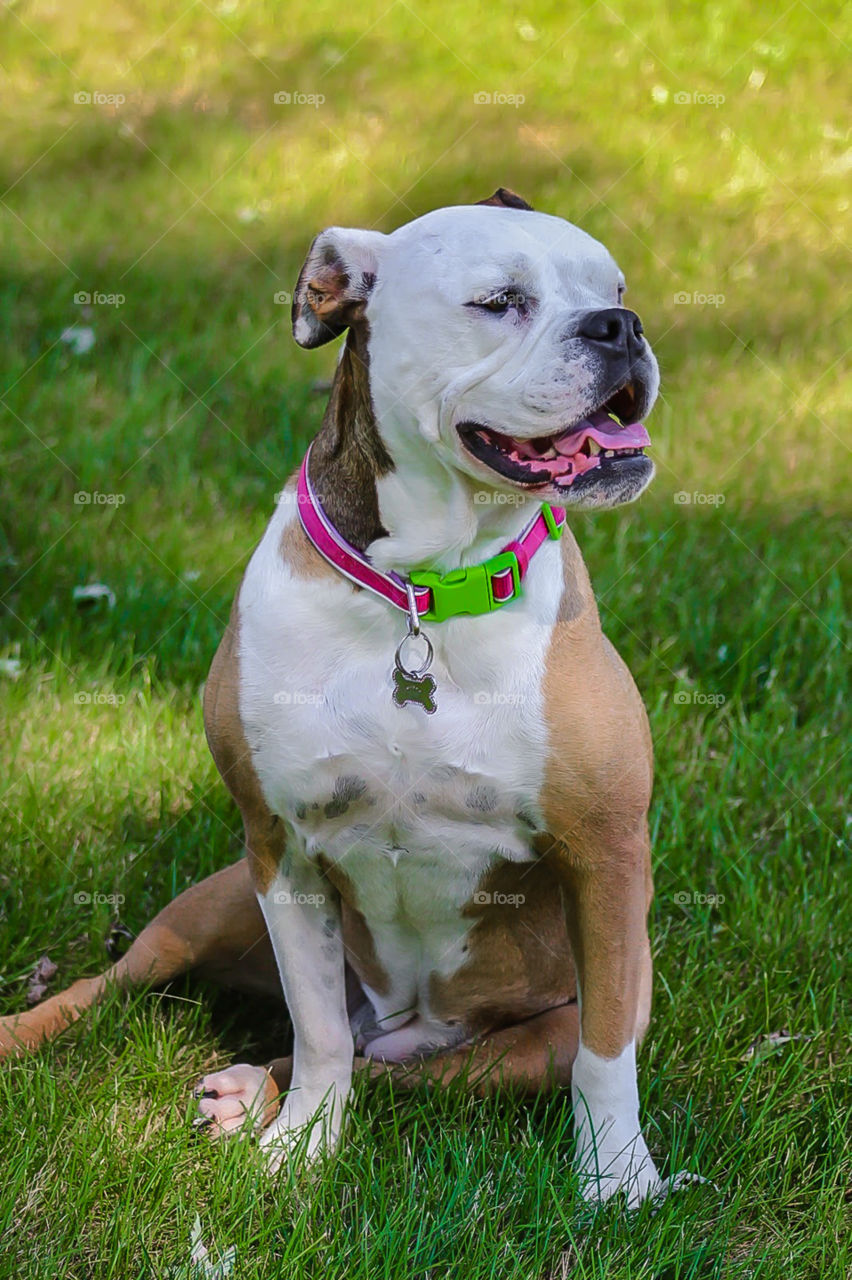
(498, 345)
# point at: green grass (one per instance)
(193, 406)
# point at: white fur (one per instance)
(304, 927)
(386, 792)
(435, 362)
(527, 378)
(316, 662)
(611, 1152)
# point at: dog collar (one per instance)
(434, 597)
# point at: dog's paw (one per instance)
(239, 1098)
(668, 1186)
(612, 1165)
(307, 1126)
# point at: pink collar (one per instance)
(475, 589)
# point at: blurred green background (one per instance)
(147, 161)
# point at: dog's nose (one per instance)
(615, 328)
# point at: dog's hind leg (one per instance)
(532, 1057)
(215, 927)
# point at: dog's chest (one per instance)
(412, 807)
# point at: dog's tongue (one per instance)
(605, 432)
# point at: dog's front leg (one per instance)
(302, 914)
(606, 880)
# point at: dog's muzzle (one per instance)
(604, 448)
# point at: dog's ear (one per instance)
(503, 198)
(334, 284)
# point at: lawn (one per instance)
(157, 198)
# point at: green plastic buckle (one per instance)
(554, 529)
(467, 590)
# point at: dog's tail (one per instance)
(22, 1032)
(147, 961)
(215, 926)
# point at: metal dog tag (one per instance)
(414, 686)
(414, 689)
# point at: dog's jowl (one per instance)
(443, 766)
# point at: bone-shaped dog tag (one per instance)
(415, 689)
(412, 685)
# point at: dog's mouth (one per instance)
(598, 442)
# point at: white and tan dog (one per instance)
(462, 886)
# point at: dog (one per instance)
(443, 766)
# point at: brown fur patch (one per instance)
(519, 958)
(504, 198)
(325, 292)
(326, 300)
(301, 556)
(595, 799)
(264, 832)
(533, 1057)
(348, 455)
(577, 595)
